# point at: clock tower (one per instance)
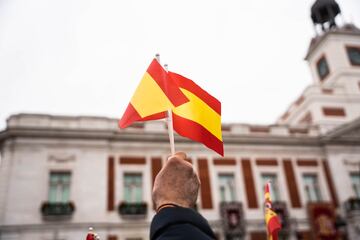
(334, 60)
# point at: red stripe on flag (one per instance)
(158, 73)
(273, 227)
(267, 188)
(131, 115)
(198, 133)
(189, 85)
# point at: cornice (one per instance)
(146, 137)
(318, 40)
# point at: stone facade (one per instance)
(98, 155)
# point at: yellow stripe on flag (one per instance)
(149, 98)
(267, 196)
(269, 214)
(198, 111)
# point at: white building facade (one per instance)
(60, 175)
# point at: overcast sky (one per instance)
(86, 57)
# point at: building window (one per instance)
(353, 55)
(322, 68)
(355, 183)
(59, 187)
(227, 187)
(133, 187)
(311, 186)
(274, 189)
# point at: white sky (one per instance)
(86, 57)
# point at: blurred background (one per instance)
(287, 74)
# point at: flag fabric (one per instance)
(200, 118)
(155, 94)
(90, 236)
(271, 219)
(196, 114)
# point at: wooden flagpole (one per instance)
(169, 119)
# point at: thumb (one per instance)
(180, 155)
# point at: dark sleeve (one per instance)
(180, 223)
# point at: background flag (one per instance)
(91, 235)
(200, 118)
(155, 94)
(271, 219)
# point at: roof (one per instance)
(347, 29)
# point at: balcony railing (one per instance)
(57, 210)
(132, 210)
(232, 216)
(352, 205)
(282, 212)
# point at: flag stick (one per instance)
(169, 118)
(170, 125)
(171, 131)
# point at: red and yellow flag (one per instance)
(200, 118)
(155, 94)
(196, 114)
(271, 219)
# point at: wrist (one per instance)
(166, 205)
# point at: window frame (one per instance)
(322, 58)
(233, 194)
(317, 189)
(356, 192)
(57, 198)
(275, 189)
(129, 173)
(347, 48)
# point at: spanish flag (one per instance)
(271, 219)
(155, 94)
(200, 118)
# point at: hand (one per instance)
(176, 183)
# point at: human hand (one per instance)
(176, 183)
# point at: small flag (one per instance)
(200, 118)
(155, 94)
(90, 235)
(271, 219)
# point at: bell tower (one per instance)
(333, 57)
(323, 13)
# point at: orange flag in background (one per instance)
(200, 118)
(155, 94)
(271, 219)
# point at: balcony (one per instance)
(352, 206)
(232, 216)
(132, 210)
(322, 220)
(57, 211)
(282, 212)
